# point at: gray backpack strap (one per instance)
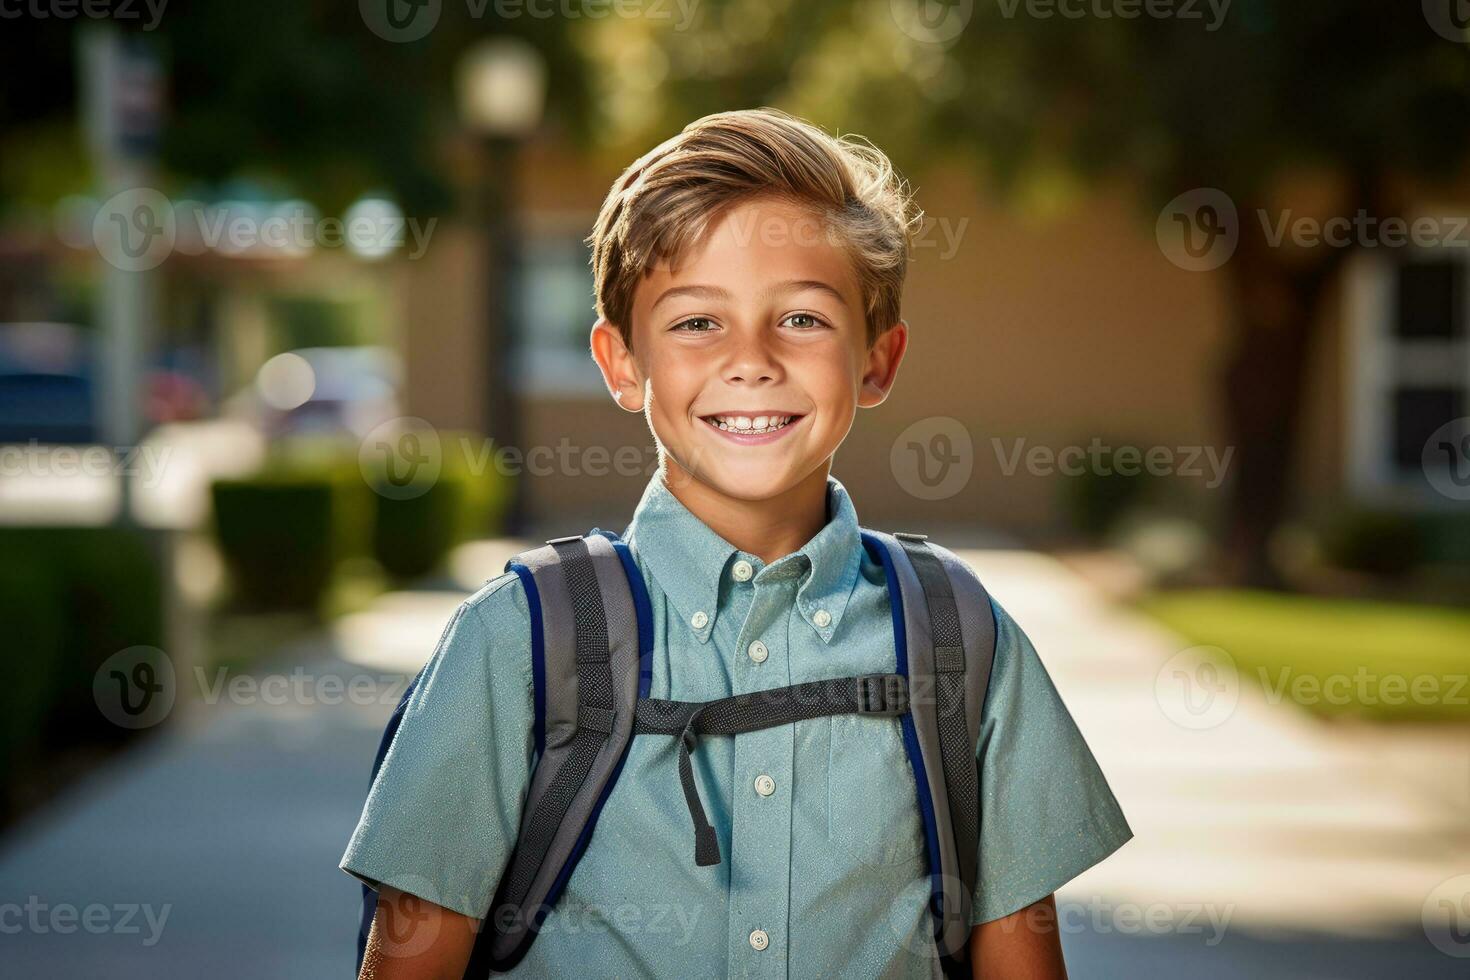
(588, 676)
(949, 629)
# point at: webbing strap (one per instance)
(595, 691)
(871, 694)
(961, 778)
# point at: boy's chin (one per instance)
(747, 480)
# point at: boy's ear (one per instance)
(619, 370)
(881, 368)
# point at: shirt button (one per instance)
(742, 571)
(699, 620)
(822, 618)
(765, 785)
(758, 652)
(759, 940)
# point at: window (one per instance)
(554, 312)
(1409, 366)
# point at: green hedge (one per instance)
(284, 531)
(1391, 544)
(69, 599)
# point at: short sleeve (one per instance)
(1046, 812)
(443, 813)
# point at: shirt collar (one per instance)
(689, 560)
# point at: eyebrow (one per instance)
(717, 293)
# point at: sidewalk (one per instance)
(1268, 846)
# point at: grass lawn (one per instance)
(1335, 657)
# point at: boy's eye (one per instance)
(695, 324)
(805, 321)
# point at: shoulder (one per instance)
(488, 633)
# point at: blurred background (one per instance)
(294, 299)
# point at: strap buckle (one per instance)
(883, 694)
(910, 536)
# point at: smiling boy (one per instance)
(748, 275)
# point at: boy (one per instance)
(748, 275)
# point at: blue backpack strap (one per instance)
(944, 638)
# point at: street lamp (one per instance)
(502, 93)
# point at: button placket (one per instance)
(760, 842)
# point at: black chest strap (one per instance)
(868, 694)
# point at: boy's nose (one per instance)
(751, 363)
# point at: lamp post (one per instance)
(502, 92)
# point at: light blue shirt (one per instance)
(828, 863)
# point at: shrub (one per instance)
(1384, 543)
(282, 532)
(69, 598)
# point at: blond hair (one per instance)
(664, 202)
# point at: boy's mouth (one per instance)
(751, 427)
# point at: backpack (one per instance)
(591, 650)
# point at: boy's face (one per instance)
(751, 359)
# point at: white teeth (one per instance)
(756, 425)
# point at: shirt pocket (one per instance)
(872, 803)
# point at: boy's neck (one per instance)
(771, 528)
